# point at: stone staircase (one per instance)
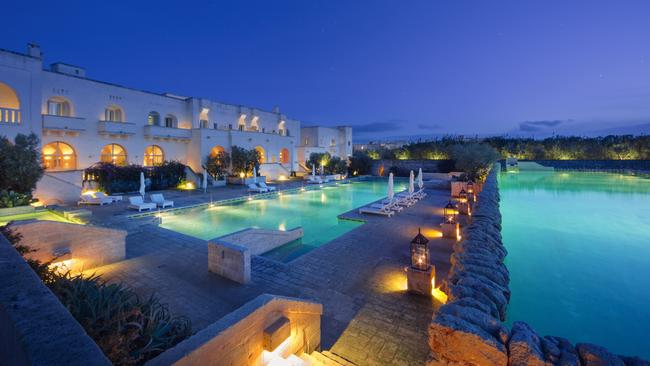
(325, 358)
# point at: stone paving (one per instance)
(359, 278)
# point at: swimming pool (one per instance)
(315, 210)
(579, 255)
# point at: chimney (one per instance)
(34, 50)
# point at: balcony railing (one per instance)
(117, 128)
(10, 115)
(167, 132)
(63, 123)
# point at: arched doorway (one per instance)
(9, 105)
(262, 153)
(153, 155)
(284, 156)
(216, 150)
(59, 156)
(114, 154)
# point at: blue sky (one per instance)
(388, 68)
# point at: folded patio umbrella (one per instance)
(142, 184)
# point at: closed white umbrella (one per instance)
(142, 184)
(391, 189)
(254, 175)
(420, 180)
(411, 185)
(322, 169)
(313, 170)
(205, 180)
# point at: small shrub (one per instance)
(113, 178)
(20, 163)
(12, 199)
(474, 159)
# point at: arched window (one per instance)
(59, 106)
(203, 118)
(9, 105)
(255, 123)
(216, 150)
(284, 156)
(113, 153)
(241, 123)
(153, 155)
(170, 121)
(114, 113)
(262, 153)
(153, 119)
(281, 128)
(59, 156)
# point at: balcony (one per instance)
(63, 123)
(10, 115)
(160, 132)
(117, 128)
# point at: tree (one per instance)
(244, 160)
(336, 165)
(20, 164)
(474, 159)
(318, 160)
(360, 163)
(217, 165)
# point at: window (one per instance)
(59, 156)
(216, 150)
(204, 123)
(153, 155)
(284, 156)
(170, 121)
(9, 105)
(153, 119)
(113, 114)
(333, 142)
(262, 154)
(58, 106)
(114, 154)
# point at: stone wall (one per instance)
(605, 165)
(238, 338)
(469, 331)
(229, 260)
(428, 166)
(88, 246)
(35, 328)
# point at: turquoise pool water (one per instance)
(579, 256)
(315, 210)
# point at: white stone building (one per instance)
(81, 121)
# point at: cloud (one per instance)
(532, 126)
(381, 126)
(425, 126)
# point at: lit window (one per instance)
(170, 121)
(58, 106)
(153, 155)
(284, 156)
(262, 154)
(153, 119)
(59, 156)
(216, 151)
(114, 154)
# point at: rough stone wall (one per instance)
(237, 338)
(89, 246)
(35, 328)
(468, 329)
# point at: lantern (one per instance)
(420, 252)
(449, 213)
(462, 195)
(470, 191)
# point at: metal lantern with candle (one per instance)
(420, 274)
(463, 204)
(471, 192)
(450, 226)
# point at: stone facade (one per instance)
(468, 330)
(86, 246)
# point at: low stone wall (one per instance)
(238, 338)
(88, 246)
(428, 166)
(468, 329)
(229, 260)
(35, 328)
(605, 165)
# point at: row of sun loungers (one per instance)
(397, 204)
(260, 187)
(135, 202)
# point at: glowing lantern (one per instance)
(420, 252)
(462, 195)
(449, 213)
(470, 191)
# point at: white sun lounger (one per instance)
(105, 196)
(255, 188)
(420, 194)
(388, 205)
(160, 201)
(137, 203)
(314, 180)
(406, 199)
(89, 199)
(265, 186)
(375, 211)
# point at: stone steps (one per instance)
(325, 358)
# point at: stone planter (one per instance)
(10, 211)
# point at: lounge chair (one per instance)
(420, 194)
(90, 199)
(376, 211)
(314, 180)
(137, 203)
(406, 199)
(265, 186)
(255, 188)
(392, 205)
(160, 201)
(105, 196)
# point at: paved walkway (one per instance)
(359, 278)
